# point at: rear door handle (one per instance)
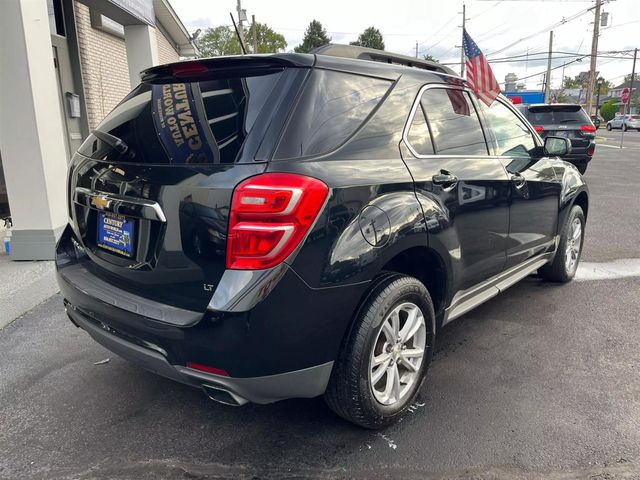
(445, 179)
(518, 180)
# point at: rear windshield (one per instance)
(184, 123)
(550, 114)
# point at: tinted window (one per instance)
(418, 136)
(554, 114)
(513, 138)
(203, 122)
(454, 122)
(331, 108)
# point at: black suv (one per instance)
(293, 225)
(565, 120)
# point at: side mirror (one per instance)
(557, 146)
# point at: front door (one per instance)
(535, 188)
(464, 190)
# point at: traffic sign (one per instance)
(625, 95)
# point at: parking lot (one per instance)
(542, 381)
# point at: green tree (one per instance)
(608, 110)
(314, 36)
(220, 40)
(636, 77)
(268, 40)
(574, 82)
(431, 58)
(223, 40)
(371, 38)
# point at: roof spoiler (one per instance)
(203, 68)
(362, 53)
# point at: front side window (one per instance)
(512, 137)
(454, 122)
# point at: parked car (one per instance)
(625, 122)
(295, 225)
(569, 121)
(595, 119)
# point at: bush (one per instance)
(608, 110)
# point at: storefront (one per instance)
(48, 107)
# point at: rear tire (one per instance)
(582, 168)
(565, 263)
(609, 126)
(363, 387)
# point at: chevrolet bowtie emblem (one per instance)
(100, 202)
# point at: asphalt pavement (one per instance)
(541, 382)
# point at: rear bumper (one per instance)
(305, 383)
(282, 347)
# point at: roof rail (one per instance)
(363, 53)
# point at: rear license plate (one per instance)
(115, 233)
(561, 133)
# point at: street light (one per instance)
(599, 82)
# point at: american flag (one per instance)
(480, 77)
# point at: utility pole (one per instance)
(242, 17)
(464, 20)
(594, 57)
(547, 83)
(416, 49)
(627, 109)
(255, 34)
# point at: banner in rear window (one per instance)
(177, 124)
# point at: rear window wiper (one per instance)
(111, 140)
(568, 120)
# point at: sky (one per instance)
(501, 28)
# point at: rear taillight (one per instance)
(270, 215)
(587, 128)
(538, 128)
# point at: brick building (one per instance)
(48, 107)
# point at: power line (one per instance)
(555, 25)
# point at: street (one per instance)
(541, 382)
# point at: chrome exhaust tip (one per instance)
(221, 395)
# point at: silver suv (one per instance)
(625, 122)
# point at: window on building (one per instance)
(56, 17)
(454, 122)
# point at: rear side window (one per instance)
(332, 107)
(184, 123)
(555, 114)
(454, 122)
(418, 136)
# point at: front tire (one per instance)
(609, 126)
(384, 358)
(565, 263)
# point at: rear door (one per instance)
(534, 190)
(449, 160)
(151, 188)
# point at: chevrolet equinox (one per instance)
(265, 227)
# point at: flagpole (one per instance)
(464, 18)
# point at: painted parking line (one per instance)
(622, 268)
